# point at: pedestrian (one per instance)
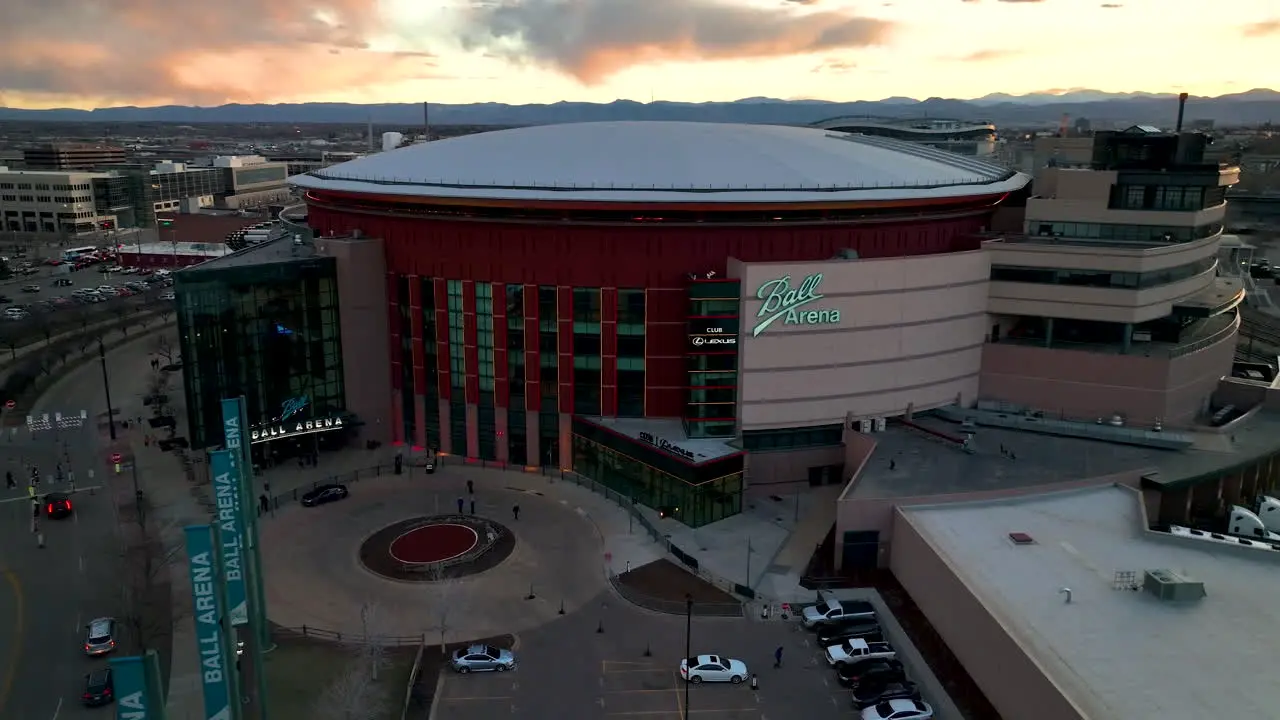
(8, 480)
(459, 506)
(515, 511)
(473, 506)
(893, 465)
(777, 657)
(71, 479)
(264, 503)
(471, 487)
(755, 682)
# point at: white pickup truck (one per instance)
(832, 610)
(856, 649)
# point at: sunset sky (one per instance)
(83, 53)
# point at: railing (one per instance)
(1212, 338)
(275, 502)
(674, 607)
(493, 533)
(310, 631)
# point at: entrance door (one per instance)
(861, 550)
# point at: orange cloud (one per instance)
(592, 41)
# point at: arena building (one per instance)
(675, 309)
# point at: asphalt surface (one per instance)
(48, 595)
(613, 661)
(90, 277)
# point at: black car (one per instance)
(99, 688)
(874, 671)
(868, 694)
(63, 282)
(324, 494)
(862, 628)
(57, 505)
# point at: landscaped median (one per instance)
(29, 375)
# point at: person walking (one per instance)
(459, 506)
(8, 480)
(471, 487)
(515, 512)
(473, 506)
(777, 657)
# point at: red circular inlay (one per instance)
(434, 543)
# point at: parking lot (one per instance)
(612, 660)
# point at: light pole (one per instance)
(106, 388)
(688, 648)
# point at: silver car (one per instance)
(482, 658)
(101, 636)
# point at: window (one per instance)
(792, 438)
(484, 339)
(1102, 278)
(457, 339)
(431, 364)
(586, 306)
(630, 393)
(1141, 234)
(405, 329)
(630, 313)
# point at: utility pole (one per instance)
(106, 388)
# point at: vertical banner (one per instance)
(206, 608)
(235, 426)
(130, 679)
(230, 519)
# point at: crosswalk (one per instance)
(43, 422)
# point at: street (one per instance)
(47, 595)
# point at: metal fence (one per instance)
(315, 633)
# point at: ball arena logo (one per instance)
(781, 301)
(700, 341)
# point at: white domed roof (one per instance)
(667, 162)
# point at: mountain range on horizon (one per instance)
(1252, 107)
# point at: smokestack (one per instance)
(370, 134)
(426, 121)
(1182, 108)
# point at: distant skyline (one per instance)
(72, 53)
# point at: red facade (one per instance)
(655, 257)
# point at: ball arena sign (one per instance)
(293, 429)
(783, 302)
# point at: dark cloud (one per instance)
(594, 39)
(834, 66)
(159, 51)
(1262, 29)
(986, 55)
(1111, 6)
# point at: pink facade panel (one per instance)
(823, 341)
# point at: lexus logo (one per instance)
(700, 341)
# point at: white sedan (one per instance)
(713, 668)
(898, 710)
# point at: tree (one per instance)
(165, 348)
(147, 570)
(353, 695)
(441, 601)
(374, 637)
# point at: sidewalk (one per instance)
(9, 358)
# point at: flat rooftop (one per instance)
(924, 465)
(671, 430)
(281, 249)
(1118, 654)
(186, 249)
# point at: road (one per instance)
(47, 595)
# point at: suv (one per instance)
(99, 688)
(100, 638)
(877, 671)
(831, 610)
(834, 632)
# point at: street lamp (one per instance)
(688, 647)
(106, 388)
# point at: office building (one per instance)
(72, 156)
(964, 137)
(51, 202)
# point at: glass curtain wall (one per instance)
(404, 318)
(430, 393)
(457, 370)
(712, 409)
(517, 438)
(548, 379)
(631, 353)
(694, 503)
(269, 332)
(586, 351)
(484, 350)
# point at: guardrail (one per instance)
(310, 631)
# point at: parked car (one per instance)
(834, 632)
(106, 290)
(100, 637)
(482, 658)
(713, 668)
(866, 695)
(899, 710)
(874, 670)
(30, 288)
(63, 282)
(832, 609)
(168, 295)
(855, 649)
(57, 506)
(325, 494)
(99, 688)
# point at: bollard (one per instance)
(530, 596)
(600, 628)
(647, 651)
(561, 607)
(40, 540)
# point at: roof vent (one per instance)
(1170, 586)
(1021, 538)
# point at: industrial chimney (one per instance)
(426, 121)
(1182, 108)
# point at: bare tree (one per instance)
(442, 598)
(353, 695)
(376, 637)
(147, 569)
(164, 347)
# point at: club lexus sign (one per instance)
(791, 304)
(712, 340)
(709, 335)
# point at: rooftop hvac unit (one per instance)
(860, 426)
(879, 424)
(1170, 586)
